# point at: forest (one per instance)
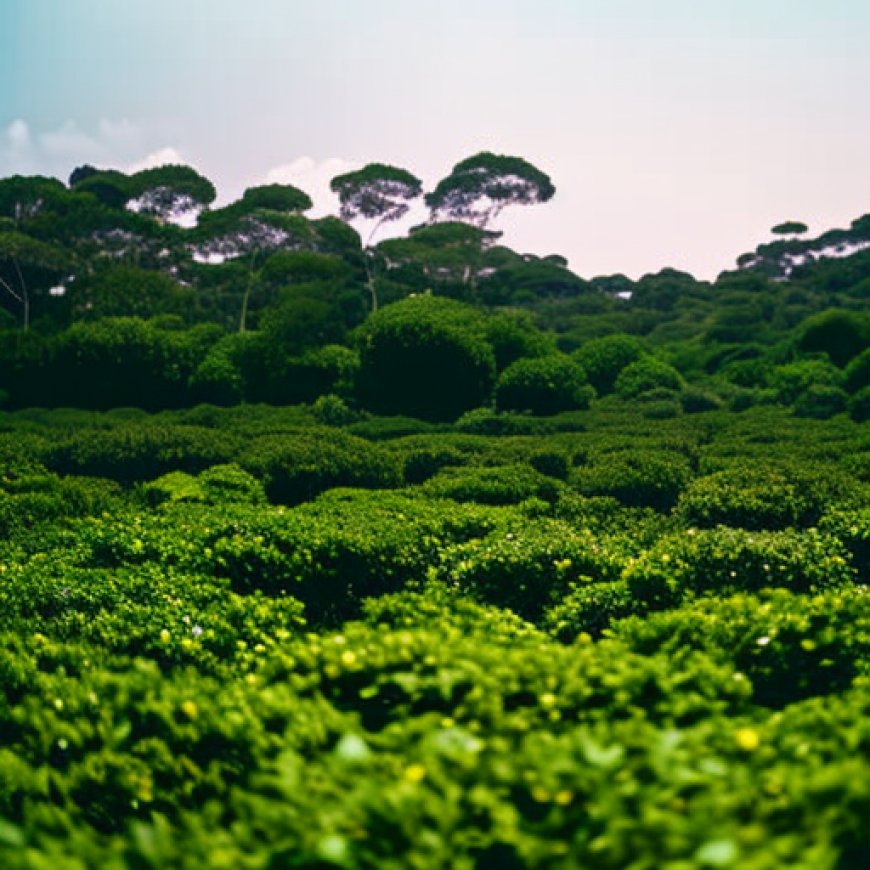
(327, 549)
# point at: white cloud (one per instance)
(110, 144)
(18, 135)
(162, 157)
(68, 142)
(313, 177)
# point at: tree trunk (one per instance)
(243, 317)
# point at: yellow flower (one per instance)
(747, 739)
(189, 709)
(415, 773)
(165, 635)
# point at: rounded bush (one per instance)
(858, 372)
(503, 484)
(590, 608)
(840, 334)
(793, 379)
(859, 405)
(724, 560)
(752, 498)
(532, 566)
(130, 453)
(604, 358)
(544, 385)
(790, 647)
(645, 374)
(637, 478)
(427, 357)
(296, 467)
(821, 402)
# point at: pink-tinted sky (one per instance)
(676, 131)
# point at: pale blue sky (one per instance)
(676, 131)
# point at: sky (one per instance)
(676, 132)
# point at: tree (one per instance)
(80, 173)
(110, 187)
(128, 291)
(276, 197)
(789, 228)
(479, 187)
(246, 229)
(22, 197)
(375, 192)
(443, 254)
(169, 192)
(27, 264)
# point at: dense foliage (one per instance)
(518, 570)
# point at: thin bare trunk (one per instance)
(250, 283)
(25, 297)
(368, 255)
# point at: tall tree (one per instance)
(376, 192)
(170, 193)
(479, 187)
(247, 229)
(28, 265)
(451, 256)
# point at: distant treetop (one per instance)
(789, 228)
(376, 191)
(276, 197)
(479, 187)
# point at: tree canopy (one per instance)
(167, 192)
(479, 187)
(377, 191)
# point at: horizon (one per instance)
(688, 133)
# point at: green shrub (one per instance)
(173, 487)
(531, 566)
(790, 647)
(851, 526)
(499, 485)
(546, 385)
(230, 483)
(552, 462)
(330, 369)
(754, 497)
(133, 453)
(513, 335)
(644, 374)
(790, 381)
(857, 373)
(724, 560)
(485, 421)
(218, 379)
(419, 464)
(590, 608)
(603, 359)
(425, 356)
(659, 409)
(640, 478)
(820, 402)
(859, 405)
(695, 401)
(332, 410)
(296, 467)
(840, 334)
